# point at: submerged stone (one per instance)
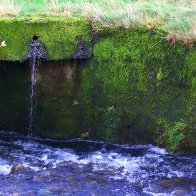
(43, 192)
(19, 168)
(38, 179)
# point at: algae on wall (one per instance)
(149, 82)
(58, 35)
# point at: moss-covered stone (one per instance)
(58, 35)
(150, 83)
(138, 88)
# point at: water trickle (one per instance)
(36, 53)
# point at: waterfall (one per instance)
(32, 104)
(36, 53)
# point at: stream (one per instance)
(35, 166)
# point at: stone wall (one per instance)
(136, 88)
(61, 38)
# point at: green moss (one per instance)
(138, 87)
(174, 134)
(147, 79)
(190, 70)
(58, 35)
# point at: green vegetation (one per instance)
(174, 135)
(177, 17)
(137, 88)
(59, 36)
(150, 83)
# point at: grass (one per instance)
(177, 17)
(8, 8)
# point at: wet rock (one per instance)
(57, 187)
(179, 192)
(36, 50)
(73, 180)
(121, 169)
(30, 193)
(95, 178)
(83, 51)
(165, 182)
(109, 172)
(38, 179)
(84, 135)
(18, 168)
(48, 166)
(176, 181)
(15, 194)
(88, 167)
(99, 180)
(43, 192)
(88, 180)
(153, 188)
(29, 159)
(180, 181)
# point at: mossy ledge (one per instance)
(58, 35)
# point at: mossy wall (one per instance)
(137, 88)
(58, 35)
(146, 83)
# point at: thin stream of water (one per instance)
(36, 53)
(32, 94)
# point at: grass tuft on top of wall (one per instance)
(177, 17)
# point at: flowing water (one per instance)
(36, 53)
(34, 65)
(34, 166)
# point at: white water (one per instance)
(32, 94)
(134, 168)
(143, 165)
(35, 56)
